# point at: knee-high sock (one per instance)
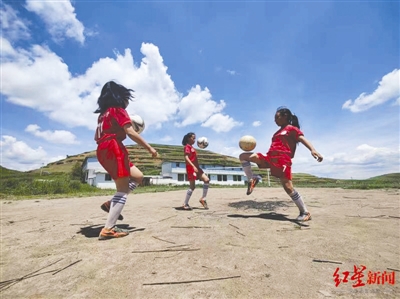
(188, 194)
(117, 204)
(296, 197)
(247, 169)
(132, 185)
(205, 190)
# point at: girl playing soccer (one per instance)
(193, 170)
(279, 158)
(113, 125)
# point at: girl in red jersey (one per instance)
(113, 125)
(193, 171)
(279, 158)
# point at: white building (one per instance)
(172, 173)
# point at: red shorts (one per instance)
(280, 166)
(192, 176)
(114, 157)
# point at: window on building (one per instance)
(224, 178)
(177, 164)
(181, 177)
(237, 178)
(108, 177)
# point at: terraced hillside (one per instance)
(141, 158)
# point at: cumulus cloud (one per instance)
(361, 162)
(13, 28)
(18, 155)
(388, 89)
(198, 106)
(221, 123)
(58, 136)
(256, 123)
(60, 19)
(71, 100)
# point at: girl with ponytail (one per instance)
(279, 158)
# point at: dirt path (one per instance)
(242, 247)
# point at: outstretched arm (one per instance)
(308, 145)
(139, 139)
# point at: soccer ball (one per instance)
(247, 143)
(202, 142)
(137, 123)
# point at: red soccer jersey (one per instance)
(189, 150)
(284, 141)
(110, 125)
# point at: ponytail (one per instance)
(186, 138)
(292, 119)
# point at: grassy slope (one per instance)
(150, 166)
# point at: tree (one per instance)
(76, 172)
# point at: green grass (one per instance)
(57, 179)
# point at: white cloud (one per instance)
(231, 72)
(71, 100)
(12, 26)
(362, 162)
(388, 89)
(166, 139)
(58, 136)
(18, 155)
(60, 19)
(221, 123)
(198, 106)
(256, 123)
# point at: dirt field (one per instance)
(242, 247)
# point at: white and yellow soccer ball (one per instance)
(247, 143)
(202, 142)
(137, 123)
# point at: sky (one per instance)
(219, 69)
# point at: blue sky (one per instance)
(219, 69)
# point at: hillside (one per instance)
(142, 159)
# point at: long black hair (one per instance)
(186, 138)
(113, 95)
(292, 119)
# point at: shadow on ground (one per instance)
(265, 206)
(93, 231)
(259, 205)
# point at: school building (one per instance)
(172, 173)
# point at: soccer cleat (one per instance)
(106, 208)
(121, 230)
(204, 203)
(252, 183)
(187, 207)
(305, 216)
(111, 233)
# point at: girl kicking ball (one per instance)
(113, 125)
(279, 158)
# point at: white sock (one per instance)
(188, 194)
(205, 190)
(132, 185)
(296, 197)
(117, 204)
(247, 169)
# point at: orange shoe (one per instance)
(252, 183)
(204, 203)
(106, 208)
(110, 233)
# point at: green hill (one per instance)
(174, 153)
(143, 160)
